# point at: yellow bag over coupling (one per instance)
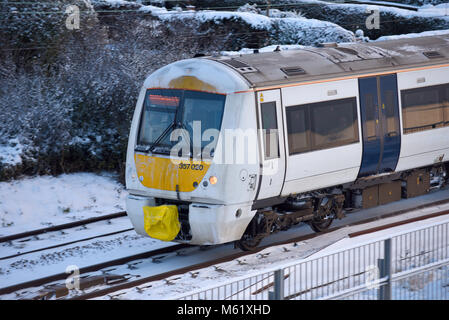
(161, 222)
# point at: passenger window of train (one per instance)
(333, 123)
(422, 109)
(297, 129)
(270, 132)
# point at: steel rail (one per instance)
(65, 244)
(92, 268)
(61, 226)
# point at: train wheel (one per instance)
(319, 225)
(248, 243)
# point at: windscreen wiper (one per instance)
(146, 148)
(163, 134)
(174, 125)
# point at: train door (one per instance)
(271, 136)
(380, 124)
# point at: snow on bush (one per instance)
(309, 32)
(353, 16)
(423, 2)
(10, 153)
(293, 29)
(252, 8)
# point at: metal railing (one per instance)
(406, 265)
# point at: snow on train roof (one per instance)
(336, 60)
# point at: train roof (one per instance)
(338, 60)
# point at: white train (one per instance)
(234, 148)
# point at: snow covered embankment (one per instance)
(34, 203)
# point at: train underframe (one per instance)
(319, 208)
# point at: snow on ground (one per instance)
(437, 10)
(37, 202)
(425, 11)
(346, 243)
(44, 263)
(55, 239)
(81, 254)
(414, 35)
(10, 153)
(273, 258)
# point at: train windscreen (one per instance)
(170, 116)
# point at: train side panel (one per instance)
(430, 146)
(331, 166)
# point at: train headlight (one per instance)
(213, 179)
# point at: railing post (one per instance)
(385, 271)
(278, 293)
(388, 273)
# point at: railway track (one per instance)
(99, 280)
(47, 293)
(110, 283)
(61, 227)
(36, 238)
(237, 255)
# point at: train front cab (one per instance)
(213, 197)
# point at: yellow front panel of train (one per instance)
(164, 174)
(161, 222)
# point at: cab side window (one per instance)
(270, 130)
(298, 129)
